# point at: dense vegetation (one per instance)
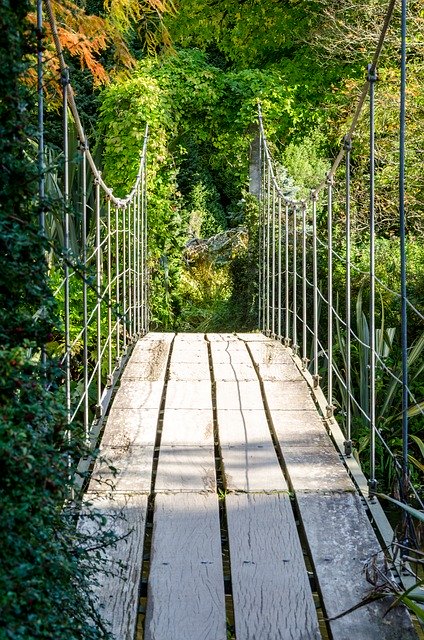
(305, 61)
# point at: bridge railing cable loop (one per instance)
(334, 346)
(111, 262)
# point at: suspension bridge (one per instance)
(240, 508)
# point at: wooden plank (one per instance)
(252, 337)
(130, 427)
(186, 598)
(312, 462)
(224, 371)
(190, 371)
(123, 469)
(271, 592)
(151, 350)
(116, 593)
(186, 469)
(192, 427)
(270, 352)
(281, 372)
(221, 337)
(230, 353)
(239, 395)
(289, 395)
(341, 540)
(140, 394)
(180, 395)
(248, 455)
(154, 336)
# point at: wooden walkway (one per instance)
(240, 518)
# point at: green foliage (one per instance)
(45, 563)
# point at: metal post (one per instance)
(67, 362)
(316, 376)
(98, 306)
(372, 78)
(287, 277)
(109, 296)
(268, 248)
(295, 346)
(304, 293)
(124, 277)
(138, 261)
(129, 280)
(260, 235)
(403, 256)
(117, 290)
(134, 313)
(264, 249)
(330, 407)
(273, 263)
(85, 290)
(280, 335)
(348, 441)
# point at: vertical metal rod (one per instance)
(268, 249)
(330, 407)
(295, 346)
(40, 93)
(348, 441)
(287, 275)
(139, 261)
(109, 295)
(142, 258)
(260, 233)
(135, 266)
(99, 304)
(304, 292)
(316, 376)
(129, 280)
(403, 254)
(273, 279)
(264, 191)
(85, 291)
(280, 335)
(372, 77)
(117, 290)
(65, 84)
(124, 277)
(146, 256)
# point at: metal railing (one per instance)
(104, 280)
(298, 256)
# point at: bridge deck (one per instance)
(238, 510)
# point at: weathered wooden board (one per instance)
(123, 469)
(153, 370)
(186, 469)
(130, 427)
(289, 395)
(243, 395)
(221, 337)
(252, 337)
(192, 427)
(270, 352)
(186, 598)
(140, 394)
(248, 455)
(151, 351)
(281, 372)
(183, 395)
(190, 352)
(230, 353)
(116, 596)
(271, 591)
(311, 460)
(189, 371)
(341, 541)
(224, 371)
(154, 336)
